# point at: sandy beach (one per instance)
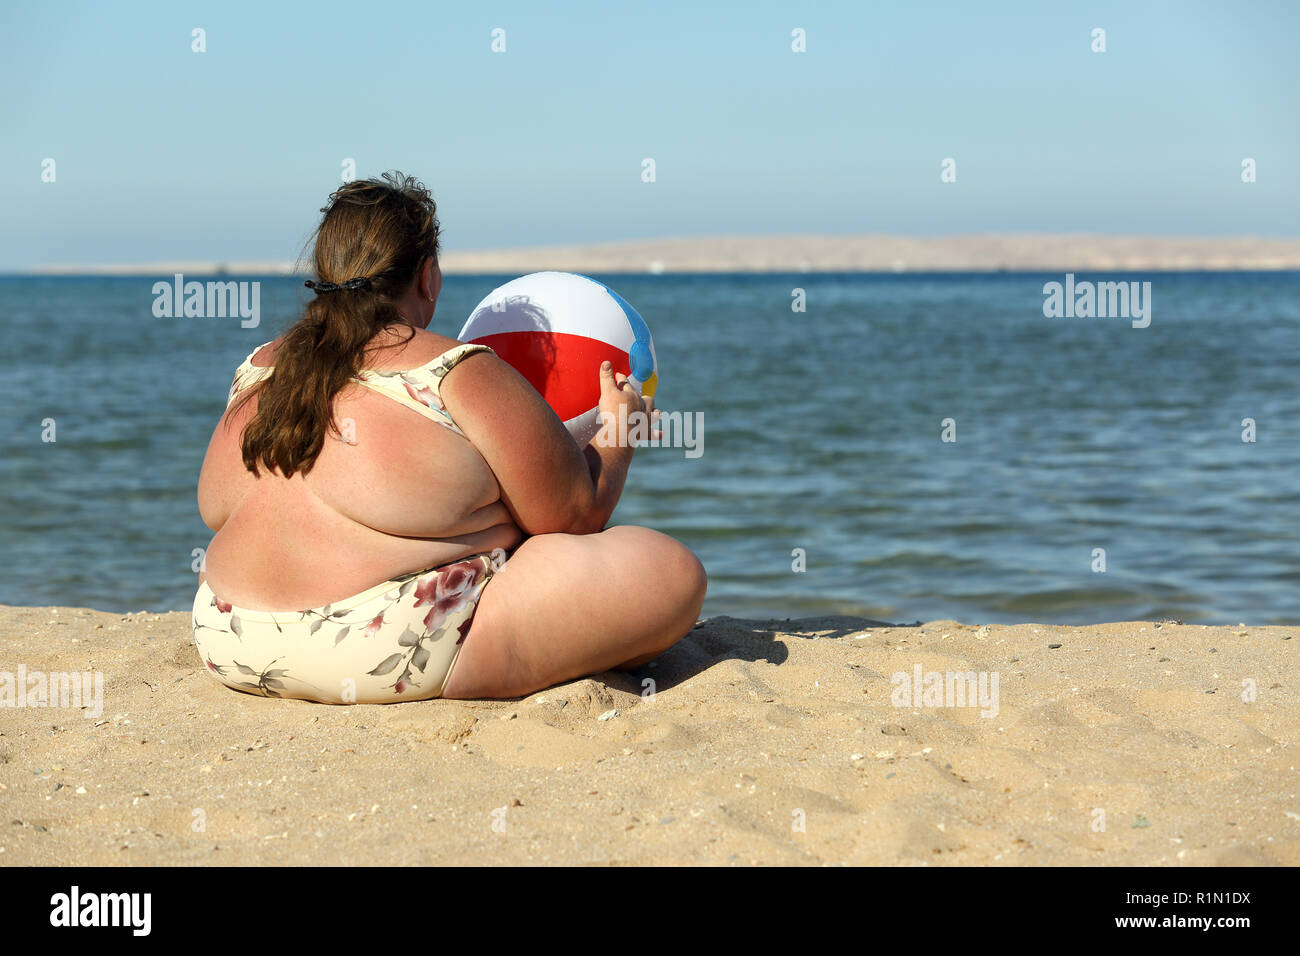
(810, 253)
(764, 742)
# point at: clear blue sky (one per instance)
(164, 154)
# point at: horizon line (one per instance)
(797, 253)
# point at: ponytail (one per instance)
(380, 229)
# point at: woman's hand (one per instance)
(621, 409)
(547, 482)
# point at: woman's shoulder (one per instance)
(402, 350)
(264, 355)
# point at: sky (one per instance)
(163, 153)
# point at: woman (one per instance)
(370, 477)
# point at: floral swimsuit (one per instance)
(396, 641)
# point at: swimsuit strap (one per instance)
(248, 374)
(449, 359)
(419, 389)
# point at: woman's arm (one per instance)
(547, 482)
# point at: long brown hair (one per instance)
(380, 229)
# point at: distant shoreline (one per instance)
(810, 254)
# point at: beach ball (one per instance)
(555, 329)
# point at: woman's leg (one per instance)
(566, 605)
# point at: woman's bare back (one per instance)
(405, 495)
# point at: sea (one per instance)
(902, 446)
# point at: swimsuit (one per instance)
(398, 640)
(416, 388)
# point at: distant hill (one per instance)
(993, 253)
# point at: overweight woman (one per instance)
(400, 516)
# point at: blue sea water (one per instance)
(822, 438)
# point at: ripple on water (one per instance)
(822, 437)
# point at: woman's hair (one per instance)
(377, 229)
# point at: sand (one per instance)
(813, 253)
(755, 728)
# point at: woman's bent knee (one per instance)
(669, 564)
(685, 570)
(572, 605)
